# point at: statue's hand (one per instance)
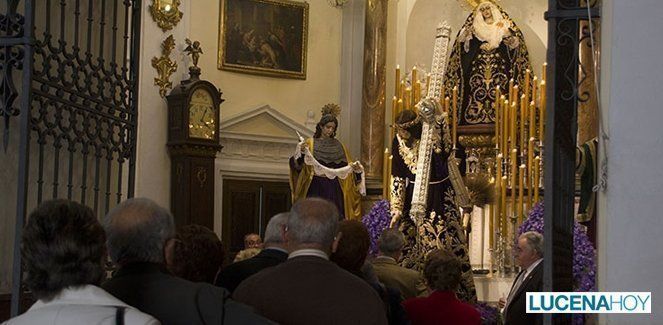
(395, 216)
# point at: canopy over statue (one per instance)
(489, 50)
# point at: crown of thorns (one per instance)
(407, 125)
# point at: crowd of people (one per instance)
(313, 268)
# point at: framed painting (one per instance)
(265, 37)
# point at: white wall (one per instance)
(152, 160)
(630, 225)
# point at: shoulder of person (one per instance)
(135, 316)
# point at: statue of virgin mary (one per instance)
(489, 50)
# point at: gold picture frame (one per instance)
(264, 37)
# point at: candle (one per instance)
(498, 190)
(385, 175)
(532, 119)
(394, 113)
(523, 126)
(413, 82)
(446, 104)
(408, 98)
(417, 92)
(505, 123)
(530, 171)
(389, 177)
(544, 71)
(497, 123)
(504, 207)
(400, 106)
(534, 85)
(536, 166)
(521, 174)
(493, 213)
(515, 94)
(513, 126)
(397, 81)
(394, 109)
(526, 88)
(542, 111)
(514, 174)
(454, 115)
(510, 91)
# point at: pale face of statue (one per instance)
(486, 12)
(328, 129)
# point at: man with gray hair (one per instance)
(140, 238)
(529, 256)
(274, 253)
(409, 282)
(308, 288)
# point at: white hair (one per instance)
(534, 241)
(493, 33)
(137, 230)
(274, 228)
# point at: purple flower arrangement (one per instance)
(376, 221)
(584, 255)
(489, 315)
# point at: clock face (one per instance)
(202, 115)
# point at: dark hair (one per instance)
(406, 116)
(442, 270)
(326, 118)
(63, 245)
(197, 255)
(352, 247)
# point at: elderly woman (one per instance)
(321, 167)
(63, 248)
(442, 271)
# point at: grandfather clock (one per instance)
(193, 141)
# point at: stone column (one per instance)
(373, 88)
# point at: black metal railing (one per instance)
(77, 111)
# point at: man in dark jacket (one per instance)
(274, 253)
(139, 235)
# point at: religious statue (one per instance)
(439, 224)
(193, 49)
(321, 167)
(489, 51)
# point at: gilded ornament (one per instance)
(165, 66)
(166, 13)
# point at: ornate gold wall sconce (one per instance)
(165, 66)
(166, 13)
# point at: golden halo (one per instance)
(332, 109)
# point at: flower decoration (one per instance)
(376, 221)
(489, 314)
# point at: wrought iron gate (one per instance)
(68, 85)
(567, 30)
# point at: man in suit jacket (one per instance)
(139, 240)
(529, 256)
(409, 282)
(308, 288)
(273, 254)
